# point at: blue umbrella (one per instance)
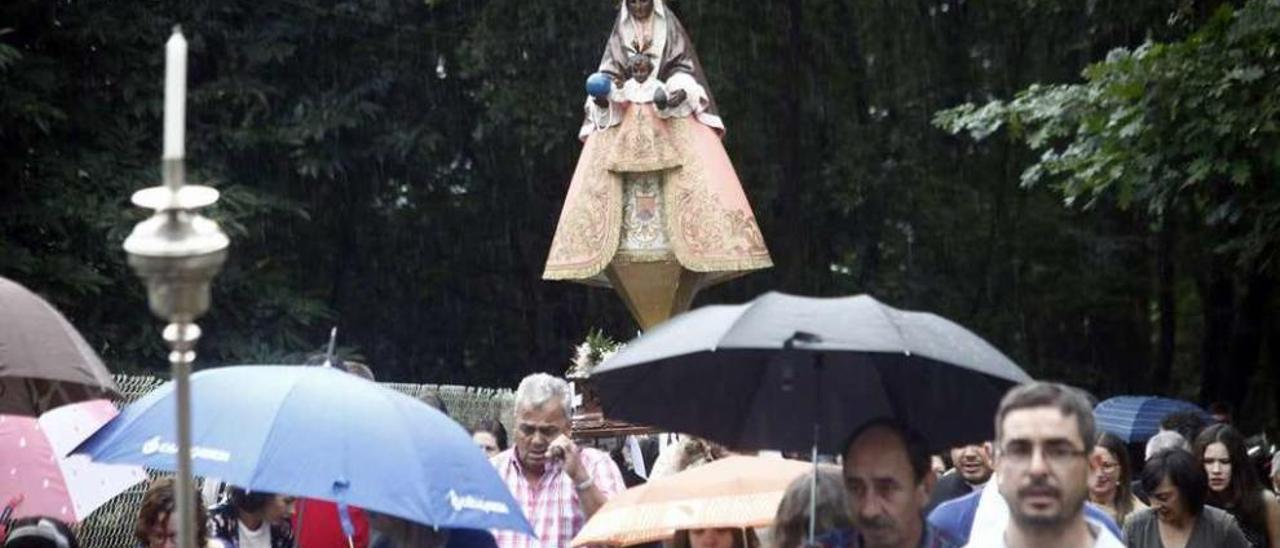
(317, 432)
(1135, 419)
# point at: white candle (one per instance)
(175, 95)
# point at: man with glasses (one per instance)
(1044, 436)
(558, 484)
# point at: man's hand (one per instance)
(563, 449)
(675, 98)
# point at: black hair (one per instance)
(40, 532)
(913, 443)
(1243, 496)
(1070, 401)
(494, 427)
(1184, 472)
(1222, 408)
(250, 501)
(632, 60)
(1187, 423)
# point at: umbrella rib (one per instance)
(732, 325)
(253, 476)
(880, 307)
(755, 394)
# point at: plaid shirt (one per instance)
(552, 504)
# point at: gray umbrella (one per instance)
(782, 371)
(44, 362)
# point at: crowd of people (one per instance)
(1048, 478)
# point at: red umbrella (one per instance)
(44, 362)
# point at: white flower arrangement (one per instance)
(593, 351)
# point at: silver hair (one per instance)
(1166, 439)
(540, 388)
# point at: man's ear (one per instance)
(924, 491)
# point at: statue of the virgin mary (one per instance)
(656, 228)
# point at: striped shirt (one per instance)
(552, 503)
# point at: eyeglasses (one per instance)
(548, 431)
(1055, 453)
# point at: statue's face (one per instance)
(640, 9)
(641, 69)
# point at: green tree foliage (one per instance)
(1189, 133)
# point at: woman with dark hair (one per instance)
(253, 519)
(490, 435)
(157, 525)
(1109, 479)
(1178, 516)
(1234, 485)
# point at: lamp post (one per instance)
(177, 253)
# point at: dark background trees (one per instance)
(397, 168)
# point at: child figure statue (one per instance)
(643, 143)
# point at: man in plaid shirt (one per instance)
(558, 484)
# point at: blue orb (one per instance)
(599, 84)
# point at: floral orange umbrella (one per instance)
(737, 491)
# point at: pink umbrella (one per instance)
(67, 488)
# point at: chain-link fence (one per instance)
(112, 525)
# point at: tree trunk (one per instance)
(1252, 316)
(1166, 302)
(1217, 298)
(792, 257)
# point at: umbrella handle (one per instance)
(817, 430)
(9, 507)
(297, 523)
(813, 487)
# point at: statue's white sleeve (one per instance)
(695, 100)
(598, 117)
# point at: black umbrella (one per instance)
(791, 373)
